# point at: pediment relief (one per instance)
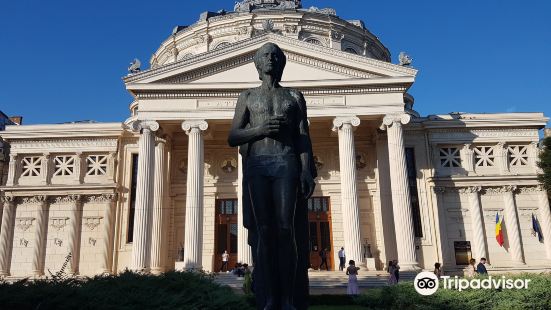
(309, 59)
(242, 69)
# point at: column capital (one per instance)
(138, 126)
(397, 118)
(508, 189)
(188, 125)
(439, 189)
(8, 199)
(39, 199)
(470, 190)
(339, 122)
(69, 199)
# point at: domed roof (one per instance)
(250, 18)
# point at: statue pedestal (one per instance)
(370, 264)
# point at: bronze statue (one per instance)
(271, 127)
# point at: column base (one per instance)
(157, 270)
(4, 274)
(409, 267)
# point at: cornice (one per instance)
(26, 146)
(70, 131)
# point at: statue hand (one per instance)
(271, 126)
(307, 184)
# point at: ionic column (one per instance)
(158, 201)
(108, 227)
(73, 244)
(443, 235)
(12, 170)
(545, 219)
(512, 225)
(349, 194)
(401, 199)
(144, 196)
(6, 234)
(477, 219)
(193, 241)
(244, 254)
(39, 247)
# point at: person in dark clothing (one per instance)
(323, 255)
(481, 268)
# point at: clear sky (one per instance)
(63, 60)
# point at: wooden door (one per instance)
(226, 232)
(319, 223)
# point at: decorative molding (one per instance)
(68, 199)
(527, 211)
(7, 199)
(27, 145)
(58, 242)
(469, 190)
(34, 199)
(91, 221)
(58, 222)
(322, 91)
(103, 198)
(229, 165)
(450, 135)
(24, 223)
(531, 189)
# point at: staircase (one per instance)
(326, 282)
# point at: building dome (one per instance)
(251, 18)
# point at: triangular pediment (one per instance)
(234, 64)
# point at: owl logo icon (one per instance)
(426, 283)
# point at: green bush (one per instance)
(404, 296)
(173, 290)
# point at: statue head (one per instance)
(270, 60)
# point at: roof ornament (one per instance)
(405, 59)
(248, 6)
(326, 11)
(134, 66)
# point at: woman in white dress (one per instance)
(352, 272)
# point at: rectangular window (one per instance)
(133, 186)
(64, 165)
(97, 165)
(484, 156)
(32, 166)
(462, 252)
(450, 157)
(413, 192)
(518, 155)
(318, 204)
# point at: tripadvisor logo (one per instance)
(426, 283)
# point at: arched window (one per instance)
(351, 50)
(313, 41)
(222, 45)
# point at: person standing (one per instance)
(323, 255)
(470, 270)
(352, 273)
(391, 273)
(225, 260)
(396, 270)
(342, 259)
(481, 267)
(438, 270)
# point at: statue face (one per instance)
(270, 60)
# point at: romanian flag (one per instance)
(499, 232)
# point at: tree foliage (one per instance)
(545, 164)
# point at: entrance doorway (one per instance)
(319, 222)
(226, 232)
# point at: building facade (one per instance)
(161, 190)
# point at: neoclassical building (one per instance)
(161, 190)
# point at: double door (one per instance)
(319, 223)
(226, 232)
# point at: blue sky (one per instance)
(63, 60)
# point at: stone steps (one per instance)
(326, 279)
